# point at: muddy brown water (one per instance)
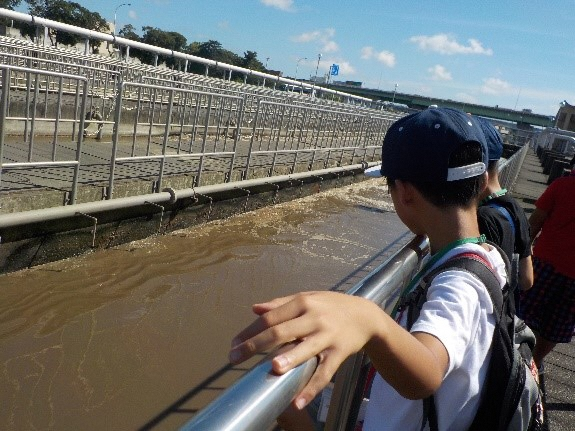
(136, 337)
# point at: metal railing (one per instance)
(509, 169)
(28, 116)
(156, 127)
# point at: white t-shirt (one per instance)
(458, 312)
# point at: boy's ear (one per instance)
(485, 181)
(405, 192)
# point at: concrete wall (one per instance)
(39, 243)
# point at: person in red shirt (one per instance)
(549, 306)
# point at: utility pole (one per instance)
(115, 12)
(315, 77)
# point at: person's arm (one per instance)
(525, 273)
(536, 220)
(334, 326)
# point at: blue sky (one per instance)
(514, 54)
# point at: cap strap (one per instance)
(468, 171)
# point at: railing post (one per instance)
(3, 110)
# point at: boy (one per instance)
(500, 217)
(435, 163)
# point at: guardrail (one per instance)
(157, 128)
(509, 169)
(30, 156)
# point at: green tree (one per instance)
(210, 49)
(10, 4)
(129, 32)
(69, 13)
(250, 61)
(163, 39)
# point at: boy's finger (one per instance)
(285, 309)
(264, 307)
(281, 325)
(318, 381)
(300, 352)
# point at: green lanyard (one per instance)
(430, 263)
(493, 196)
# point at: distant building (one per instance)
(565, 118)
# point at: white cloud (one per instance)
(324, 37)
(132, 14)
(496, 86)
(279, 4)
(448, 45)
(344, 67)
(224, 25)
(439, 73)
(367, 53)
(330, 46)
(385, 57)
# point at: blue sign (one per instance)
(334, 69)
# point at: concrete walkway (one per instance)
(559, 377)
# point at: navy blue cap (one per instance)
(418, 147)
(493, 139)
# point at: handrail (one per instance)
(256, 399)
(509, 169)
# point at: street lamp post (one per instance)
(315, 77)
(115, 13)
(394, 91)
(266, 69)
(297, 66)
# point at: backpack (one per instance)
(505, 212)
(511, 399)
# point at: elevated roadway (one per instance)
(521, 118)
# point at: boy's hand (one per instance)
(329, 325)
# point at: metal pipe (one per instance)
(254, 401)
(35, 216)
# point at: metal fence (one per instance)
(115, 130)
(26, 94)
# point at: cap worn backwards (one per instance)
(493, 139)
(418, 147)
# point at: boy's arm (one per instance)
(334, 326)
(525, 273)
(536, 221)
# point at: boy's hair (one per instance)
(492, 166)
(454, 193)
(441, 151)
(493, 139)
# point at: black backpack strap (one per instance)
(473, 264)
(505, 212)
(429, 414)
